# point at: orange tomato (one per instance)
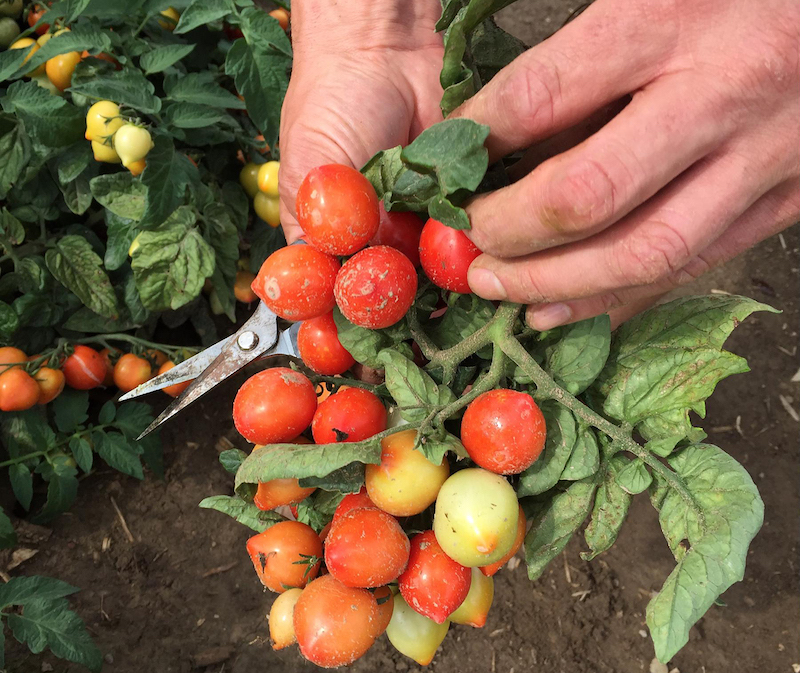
(131, 371)
(178, 388)
(10, 356)
(51, 383)
(282, 17)
(18, 390)
(241, 288)
(59, 69)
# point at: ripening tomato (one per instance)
(84, 369)
(400, 231)
(268, 208)
(132, 143)
(268, 177)
(475, 608)
(413, 634)
(131, 371)
(9, 30)
(334, 624)
(446, 254)
(383, 597)
(282, 16)
(37, 12)
(286, 555)
(274, 406)
(110, 358)
(376, 287)
(503, 431)
(59, 69)
(176, 389)
(366, 548)
(51, 383)
(349, 415)
(11, 8)
(25, 43)
(105, 152)
(433, 583)
(476, 517)
(522, 523)
(337, 208)
(405, 482)
(280, 492)
(296, 282)
(136, 168)
(10, 356)
(281, 619)
(155, 356)
(18, 390)
(242, 287)
(248, 179)
(353, 501)
(319, 346)
(171, 19)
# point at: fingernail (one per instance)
(548, 316)
(484, 283)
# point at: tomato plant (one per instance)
(286, 555)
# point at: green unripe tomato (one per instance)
(413, 634)
(12, 8)
(9, 31)
(476, 517)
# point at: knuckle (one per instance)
(531, 94)
(652, 254)
(691, 271)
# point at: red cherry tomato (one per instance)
(320, 348)
(334, 624)
(376, 287)
(296, 282)
(337, 208)
(400, 231)
(353, 501)
(131, 371)
(492, 568)
(445, 254)
(503, 431)
(280, 492)
(10, 356)
(284, 555)
(51, 383)
(18, 390)
(84, 369)
(274, 406)
(349, 415)
(37, 12)
(176, 389)
(366, 548)
(433, 583)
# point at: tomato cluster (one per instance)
(115, 139)
(260, 182)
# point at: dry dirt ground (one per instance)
(182, 596)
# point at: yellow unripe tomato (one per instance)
(281, 16)
(105, 153)
(475, 607)
(173, 16)
(60, 68)
(281, 619)
(132, 143)
(268, 177)
(268, 208)
(137, 167)
(405, 482)
(248, 178)
(44, 39)
(103, 120)
(134, 245)
(24, 43)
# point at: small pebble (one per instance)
(657, 667)
(109, 658)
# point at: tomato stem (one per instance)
(22, 459)
(136, 341)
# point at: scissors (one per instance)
(259, 337)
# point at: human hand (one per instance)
(702, 164)
(365, 78)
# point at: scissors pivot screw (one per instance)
(247, 341)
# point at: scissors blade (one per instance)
(256, 337)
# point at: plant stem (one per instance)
(102, 338)
(429, 349)
(22, 459)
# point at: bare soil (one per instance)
(182, 596)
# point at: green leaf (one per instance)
(23, 590)
(710, 552)
(609, 511)
(50, 120)
(118, 453)
(167, 176)
(153, 454)
(562, 434)
(77, 267)
(318, 509)
(120, 193)
(26, 432)
(413, 389)
(8, 538)
(22, 484)
(79, 38)
(281, 461)
(11, 230)
(192, 115)
(121, 233)
(201, 12)
(128, 87)
(107, 413)
(362, 343)
(584, 460)
(10, 62)
(347, 479)
(132, 418)
(73, 161)
(9, 321)
(15, 148)
(78, 194)
(383, 170)
(82, 452)
(465, 316)
(440, 208)
(50, 623)
(634, 477)
(172, 263)
(202, 88)
(576, 359)
(244, 512)
(264, 240)
(555, 526)
(668, 360)
(161, 57)
(232, 459)
(62, 489)
(453, 151)
(435, 449)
